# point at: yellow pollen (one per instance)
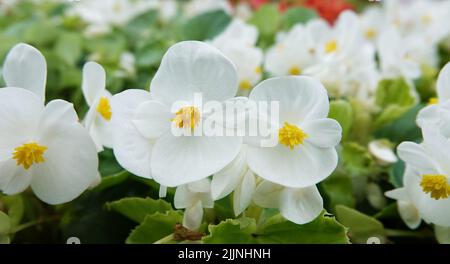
(295, 70)
(245, 85)
(436, 185)
(29, 154)
(370, 33)
(187, 117)
(258, 70)
(291, 135)
(433, 100)
(426, 19)
(104, 108)
(331, 46)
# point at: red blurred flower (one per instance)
(329, 9)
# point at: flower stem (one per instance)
(407, 233)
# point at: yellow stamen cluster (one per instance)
(245, 85)
(436, 185)
(433, 100)
(258, 70)
(295, 70)
(331, 46)
(370, 33)
(291, 135)
(104, 108)
(187, 117)
(29, 154)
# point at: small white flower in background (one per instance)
(437, 113)
(103, 14)
(235, 177)
(295, 51)
(237, 43)
(42, 146)
(194, 197)
(196, 7)
(299, 205)
(395, 58)
(305, 152)
(373, 22)
(382, 151)
(243, 11)
(426, 180)
(127, 65)
(188, 68)
(98, 118)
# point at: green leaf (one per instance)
(342, 112)
(356, 159)
(68, 47)
(396, 174)
(395, 98)
(111, 180)
(361, 226)
(4, 239)
(232, 231)
(5, 223)
(138, 208)
(16, 208)
(150, 54)
(267, 20)
(362, 121)
(141, 25)
(297, 15)
(339, 189)
(324, 229)
(206, 26)
(154, 227)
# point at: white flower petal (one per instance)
(191, 67)
(382, 152)
(300, 98)
(409, 214)
(301, 205)
(428, 114)
(13, 179)
(267, 194)
(94, 82)
(20, 111)
(70, 166)
(243, 195)
(179, 160)
(443, 83)
(323, 133)
(131, 149)
(303, 166)
(152, 119)
(415, 156)
(193, 216)
(436, 146)
(398, 194)
(25, 67)
(225, 181)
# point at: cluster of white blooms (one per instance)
(426, 191)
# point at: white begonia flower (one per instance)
(188, 69)
(103, 14)
(427, 177)
(236, 177)
(373, 22)
(196, 7)
(395, 58)
(42, 146)
(437, 113)
(346, 63)
(194, 197)
(296, 50)
(237, 43)
(298, 205)
(382, 151)
(99, 115)
(305, 139)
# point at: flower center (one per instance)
(291, 135)
(433, 101)
(426, 19)
(104, 108)
(295, 70)
(331, 46)
(187, 117)
(29, 154)
(245, 85)
(258, 70)
(370, 33)
(436, 185)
